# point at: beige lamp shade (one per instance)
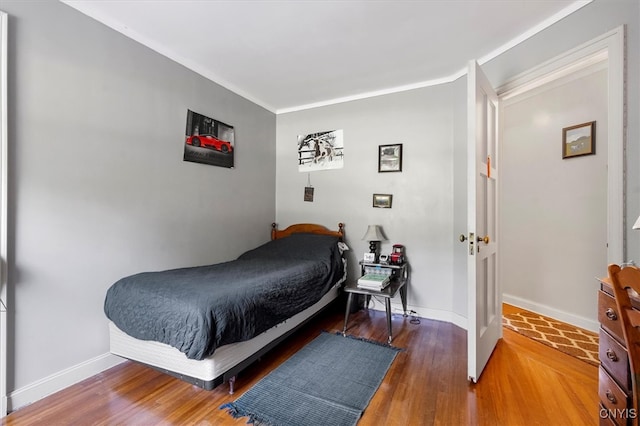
(637, 224)
(374, 233)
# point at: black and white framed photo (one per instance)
(321, 151)
(390, 158)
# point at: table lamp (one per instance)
(374, 235)
(637, 224)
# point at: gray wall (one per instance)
(98, 187)
(421, 217)
(438, 284)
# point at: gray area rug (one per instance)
(329, 382)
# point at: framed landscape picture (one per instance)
(579, 140)
(382, 201)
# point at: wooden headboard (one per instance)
(307, 228)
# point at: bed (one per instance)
(205, 324)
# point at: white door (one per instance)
(485, 307)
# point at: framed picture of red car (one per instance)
(208, 141)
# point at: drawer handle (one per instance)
(611, 314)
(612, 355)
(611, 397)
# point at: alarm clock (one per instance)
(384, 258)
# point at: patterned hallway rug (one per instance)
(329, 382)
(572, 340)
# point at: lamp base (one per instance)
(373, 249)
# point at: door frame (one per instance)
(610, 46)
(3, 212)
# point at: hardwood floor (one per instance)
(524, 383)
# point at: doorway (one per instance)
(561, 219)
(554, 211)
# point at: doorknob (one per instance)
(462, 238)
(484, 239)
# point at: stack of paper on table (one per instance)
(374, 281)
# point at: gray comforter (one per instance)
(198, 309)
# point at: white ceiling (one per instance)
(294, 54)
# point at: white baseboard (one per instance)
(433, 314)
(60, 380)
(577, 320)
(460, 321)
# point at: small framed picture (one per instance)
(579, 140)
(308, 193)
(382, 201)
(390, 158)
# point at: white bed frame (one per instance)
(228, 360)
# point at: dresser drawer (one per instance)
(611, 395)
(608, 315)
(615, 359)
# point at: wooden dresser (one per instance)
(614, 387)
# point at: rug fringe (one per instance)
(252, 419)
(231, 409)
(363, 339)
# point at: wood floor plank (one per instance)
(524, 383)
